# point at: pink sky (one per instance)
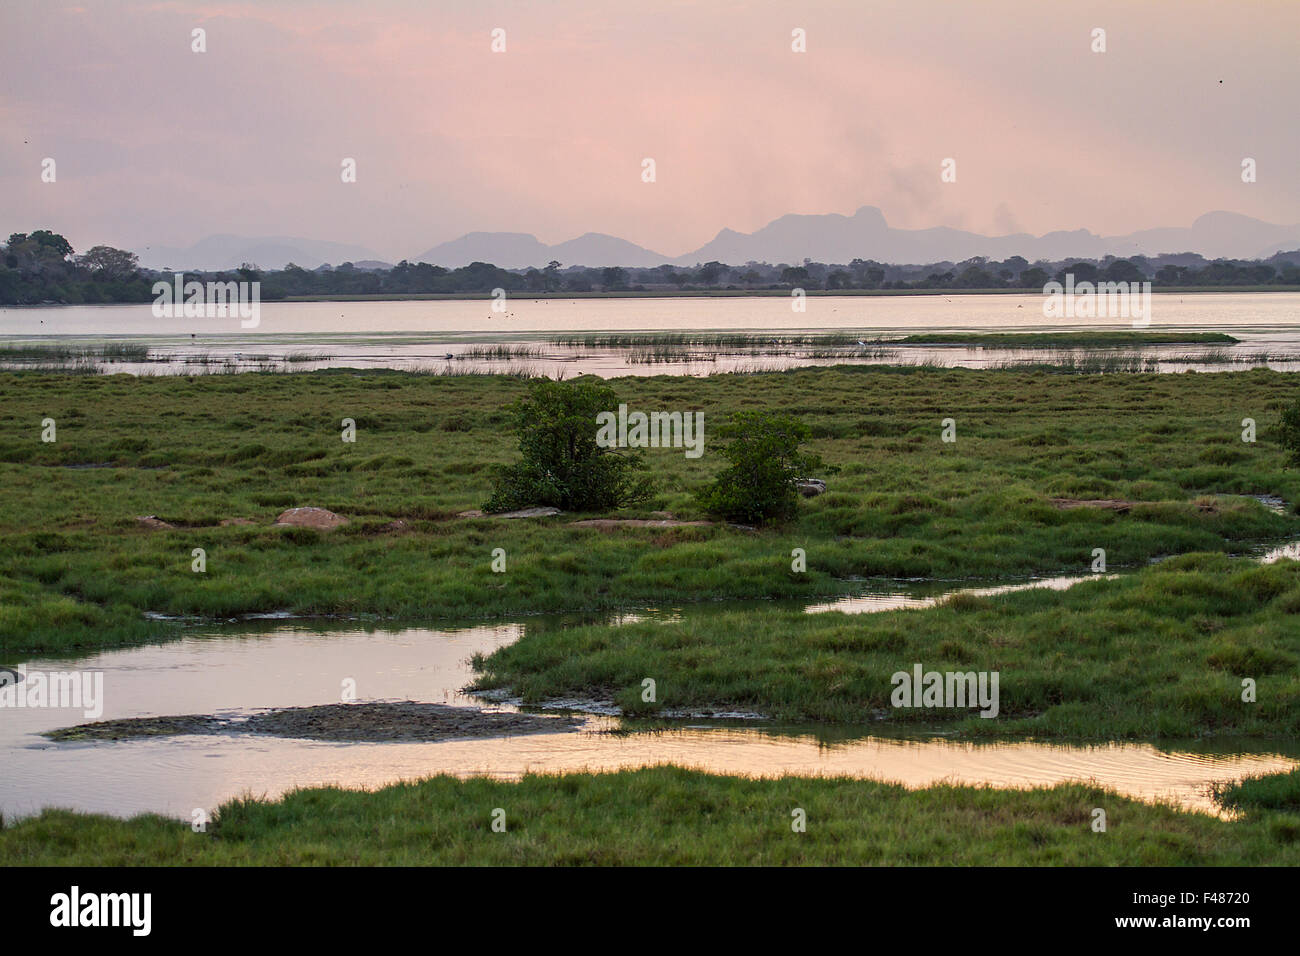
(159, 145)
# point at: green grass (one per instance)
(665, 816)
(1257, 795)
(54, 354)
(1161, 653)
(194, 450)
(1094, 339)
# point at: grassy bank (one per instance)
(77, 570)
(1259, 796)
(664, 816)
(1159, 653)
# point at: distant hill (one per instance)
(790, 239)
(269, 252)
(520, 250)
(866, 235)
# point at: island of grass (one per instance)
(1165, 652)
(1101, 338)
(669, 816)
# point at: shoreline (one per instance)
(682, 294)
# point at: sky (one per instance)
(157, 144)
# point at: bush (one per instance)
(562, 465)
(765, 462)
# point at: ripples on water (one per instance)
(279, 665)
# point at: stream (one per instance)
(235, 670)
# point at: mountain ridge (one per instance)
(791, 238)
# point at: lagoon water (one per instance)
(241, 669)
(422, 334)
(1275, 311)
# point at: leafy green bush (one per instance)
(562, 465)
(759, 483)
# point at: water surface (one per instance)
(437, 335)
(274, 664)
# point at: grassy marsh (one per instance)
(81, 571)
(664, 816)
(1160, 653)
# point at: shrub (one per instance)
(759, 483)
(562, 466)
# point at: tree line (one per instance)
(42, 267)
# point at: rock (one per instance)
(153, 521)
(529, 513)
(318, 518)
(521, 513)
(810, 487)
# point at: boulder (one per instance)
(319, 518)
(530, 513)
(153, 521)
(810, 487)
(521, 513)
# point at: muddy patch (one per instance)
(405, 721)
(605, 707)
(134, 727)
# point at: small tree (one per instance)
(562, 466)
(765, 462)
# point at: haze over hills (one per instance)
(831, 238)
(519, 250)
(222, 252)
